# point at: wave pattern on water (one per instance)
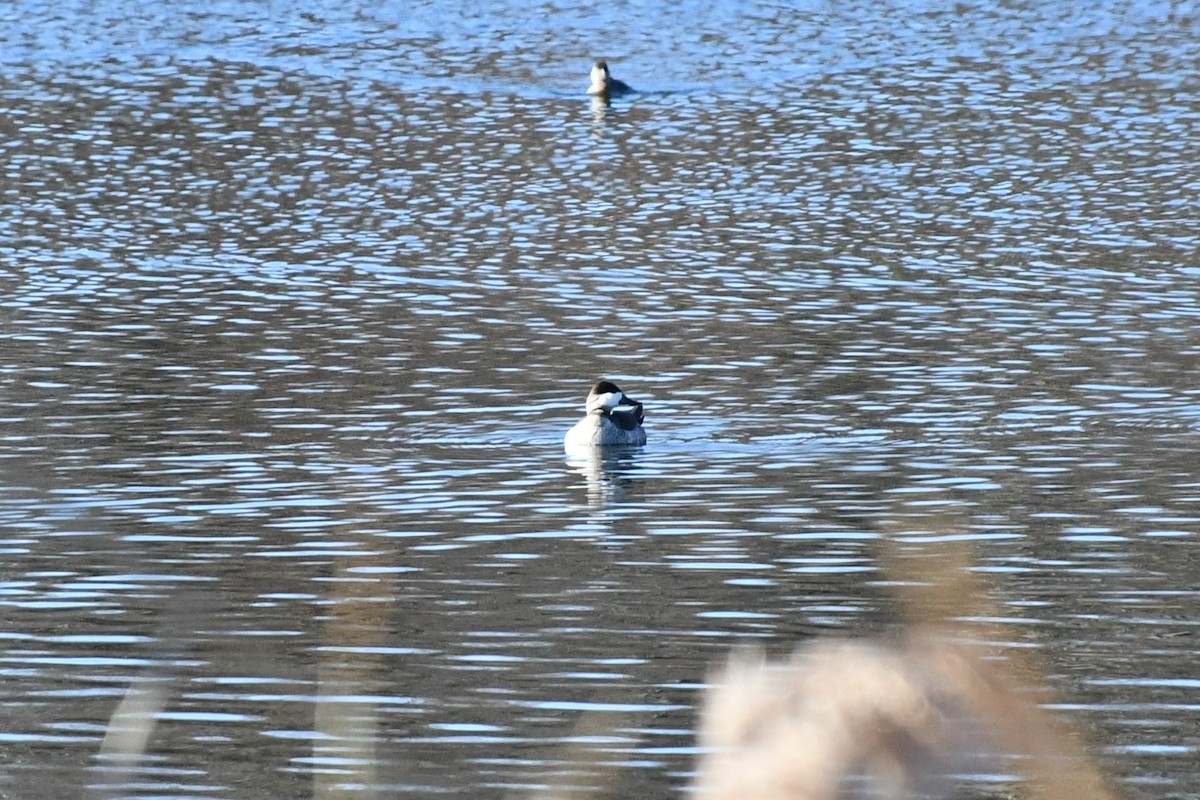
(299, 302)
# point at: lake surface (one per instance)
(298, 302)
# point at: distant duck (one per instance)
(612, 418)
(604, 84)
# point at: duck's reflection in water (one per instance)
(608, 472)
(599, 108)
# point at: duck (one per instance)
(612, 418)
(604, 84)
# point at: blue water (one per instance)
(299, 301)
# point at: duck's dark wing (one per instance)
(617, 88)
(627, 416)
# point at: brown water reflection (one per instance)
(297, 311)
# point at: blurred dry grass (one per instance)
(898, 718)
(894, 718)
(131, 727)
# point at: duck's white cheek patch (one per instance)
(605, 401)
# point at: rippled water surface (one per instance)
(298, 302)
